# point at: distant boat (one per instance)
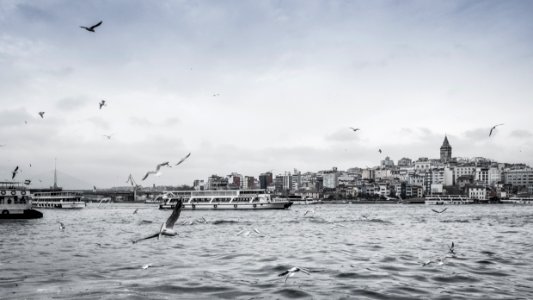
(518, 200)
(299, 200)
(448, 200)
(16, 203)
(222, 200)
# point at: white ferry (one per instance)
(447, 200)
(15, 202)
(518, 200)
(57, 198)
(299, 200)
(222, 200)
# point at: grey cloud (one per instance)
(521, 133)
(99, 122)
(14, 117)
(71, 103)
(343, 135)
(478, 134)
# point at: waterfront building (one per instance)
(369, 174)
(481, 175)
(477, 192)
(519, 177)
(331, 178)
(296, 180)
(422, 164)
(463, 170)
(405, 162)
(248, 183)
(445, 151)
(387, 162)
(235, 181)
(198, 185)
(265, 180)
(215, 182)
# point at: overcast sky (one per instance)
(290, 77)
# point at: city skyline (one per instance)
(258, 86)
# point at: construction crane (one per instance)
(134, 185)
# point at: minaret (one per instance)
(445, 151)
(55, 173)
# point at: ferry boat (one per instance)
(57, 198)
(222, 200)
(447, 200)
(15, 202)
(518, 200)
(299, 200)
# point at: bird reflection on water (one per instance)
(377, 257)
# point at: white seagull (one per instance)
(146, 266)
(101, 104)
(441, 211)
(61, 226)
(41, 113)
(107, 136)
(494, 127)
(157, 168)
(290, 272)
(354, 129)
(167, 227)
(183, 159)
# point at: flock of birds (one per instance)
(101, 104)
(380, 151)
(167, 228)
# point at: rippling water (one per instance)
(351, 251)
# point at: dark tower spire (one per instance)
(445, 151)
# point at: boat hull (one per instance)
(230, 206)
(64, 205)
(21, 215)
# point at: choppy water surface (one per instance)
(351, 251)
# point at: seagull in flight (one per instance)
(91, 29)
(354, 129)
(439, 212)
(61, 226)
(380, 151)
(158, 167)
(27, 182)
(290, 272)
(494, 127)
(14, 173)
(41, 113)
(167, 227)
(183, 159)
(101, 104)
(216, 95)
(156, 173)
(146, 266)
(135, 211)
(452, 249)
(107, 136)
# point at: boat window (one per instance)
(9, 201)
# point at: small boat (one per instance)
(299, 200)
(518, 200)
(15, 202)
(222, 200)
(447, 200)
